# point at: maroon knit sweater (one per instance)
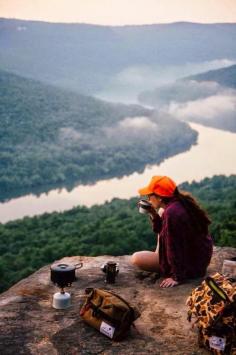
(184, 252)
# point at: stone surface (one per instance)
(29, 324)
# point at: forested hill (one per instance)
(213, 89)
(115, 228)
(49, 136)
(85, 57)
(224, 76)
(190, 88)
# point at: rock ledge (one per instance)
(29, 324)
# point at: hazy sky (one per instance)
(120, 12)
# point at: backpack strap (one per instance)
(217, 290)
(222, 295)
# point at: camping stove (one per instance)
(62, 275)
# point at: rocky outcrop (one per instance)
(29, 324)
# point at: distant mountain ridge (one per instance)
(84, 57)
(223, 76)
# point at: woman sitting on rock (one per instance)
(184, 247)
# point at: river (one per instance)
(214, 154)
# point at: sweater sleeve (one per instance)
(175, 247)
(156, 223)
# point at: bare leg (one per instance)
(146, 260)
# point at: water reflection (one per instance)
(213, 155)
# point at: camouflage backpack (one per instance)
(213, 305)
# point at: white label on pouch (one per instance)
(217, 343)
(107, 329)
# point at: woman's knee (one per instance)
(140, 258)
(146, 260)
(135, 258)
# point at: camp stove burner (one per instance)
(63, 275)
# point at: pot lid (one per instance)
(62, 267)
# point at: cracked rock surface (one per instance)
(29, 324)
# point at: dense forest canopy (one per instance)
(115, 228)
(49, 136)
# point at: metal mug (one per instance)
(144, 206)
(111, 270)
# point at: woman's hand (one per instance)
(169, 282)
(152, 212)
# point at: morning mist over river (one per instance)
(214, 154)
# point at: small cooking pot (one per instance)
(63, 274)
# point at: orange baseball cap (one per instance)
(160, 185)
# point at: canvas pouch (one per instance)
(108, 312)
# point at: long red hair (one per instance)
(198, 215)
